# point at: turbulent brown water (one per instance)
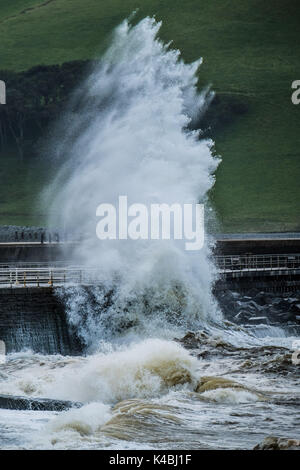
(164, 368)
(219, 390)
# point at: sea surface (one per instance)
(209, 390)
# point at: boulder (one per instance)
(278, 443)
(10, 402)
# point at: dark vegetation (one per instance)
(223, 110)
(36, 99)
(39, 95)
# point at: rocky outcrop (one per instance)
(9, 402)
(278, 443)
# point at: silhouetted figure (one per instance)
(57, 237)
(16, 236)
(42, 237)
(50, 238)
(22, 235)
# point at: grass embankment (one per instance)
(21, 183)
(251, 51)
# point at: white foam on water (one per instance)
(230, 396)
(141, 370)
(85, 420)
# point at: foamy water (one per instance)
(151, 394)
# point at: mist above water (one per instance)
(127, 132)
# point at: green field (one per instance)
(251, 51)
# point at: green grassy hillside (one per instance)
(251, 51)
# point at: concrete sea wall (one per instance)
(34, 318)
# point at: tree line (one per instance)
(34, 99)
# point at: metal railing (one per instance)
(47, 276)
(60, 273)
(257, 262)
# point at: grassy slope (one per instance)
(20, 183)
(251, 48)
